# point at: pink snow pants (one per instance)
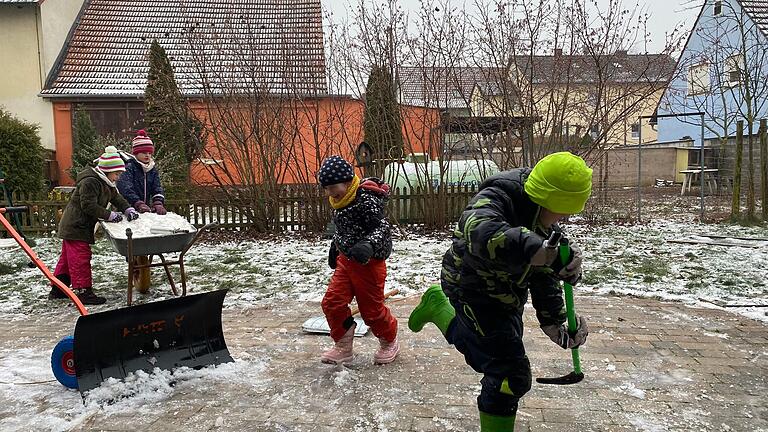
(75, 261)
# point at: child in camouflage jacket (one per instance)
(498, 255)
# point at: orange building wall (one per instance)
(314, 129)
(62, 132)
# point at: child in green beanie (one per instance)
(498, 255)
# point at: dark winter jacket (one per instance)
(136, 185)
(87, 205)
(487, 264)
(365, 219)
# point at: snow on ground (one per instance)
(639, 260)
(634, 260)
(25, 380)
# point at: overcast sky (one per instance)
(664, 14)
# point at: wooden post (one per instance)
(736, 199)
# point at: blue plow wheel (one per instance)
(63, 362)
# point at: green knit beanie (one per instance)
(561, 183)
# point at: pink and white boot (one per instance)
(387, 351)
(342, 351)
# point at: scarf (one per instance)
(348, 197)
(146, 167)
(104, 177)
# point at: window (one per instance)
(698, 79)
(733, 70)
(635, 130)
(718, 9)
(594, 131)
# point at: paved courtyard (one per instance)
(649, 366)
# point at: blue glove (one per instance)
(131, 214)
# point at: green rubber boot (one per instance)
(435, 308)
(496, 423)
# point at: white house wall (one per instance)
(31, 37)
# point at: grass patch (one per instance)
(310, 269)
(233, 259)
(652, 269)
(228, 284)
(8, 269)
(208, 268)
(600, 274)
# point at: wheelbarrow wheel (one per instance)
(63, 362)
(141, 276)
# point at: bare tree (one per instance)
(264, 111)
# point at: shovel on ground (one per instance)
(576, 375)
(319, 325)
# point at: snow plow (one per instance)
(183, 331)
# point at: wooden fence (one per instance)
(294, 209)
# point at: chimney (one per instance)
(621, 53)
(558, 52)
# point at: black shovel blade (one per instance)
(183, 331)
(571, 378)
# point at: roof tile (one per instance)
(275, 45)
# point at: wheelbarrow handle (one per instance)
(197, 235)
(16, 209)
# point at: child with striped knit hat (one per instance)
(95, 189)
(140, 184)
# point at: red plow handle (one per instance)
(39, 263)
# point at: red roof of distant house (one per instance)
(275, 45)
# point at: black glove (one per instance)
(559, 333)
(333, 253)
(131, 214)
(362, 252)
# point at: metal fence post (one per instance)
(701, 218)
(639, 168)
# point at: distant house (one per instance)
(213, 46)
(32, 33)
(561, 92)
(722, 70)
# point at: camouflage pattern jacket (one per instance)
(486, 268)
(365, 219)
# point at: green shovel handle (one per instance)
(565, 252)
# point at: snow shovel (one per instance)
(319, 325)
(576, 375)
(183, 331)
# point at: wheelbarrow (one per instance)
(184, 331)
(139, 252)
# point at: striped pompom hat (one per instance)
(142, 143)
(110, 160)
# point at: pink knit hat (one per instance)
(142, 143)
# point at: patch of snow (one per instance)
(644, 424)
(149, 225)
(631, 390)
(343, 377)
(47, 405)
